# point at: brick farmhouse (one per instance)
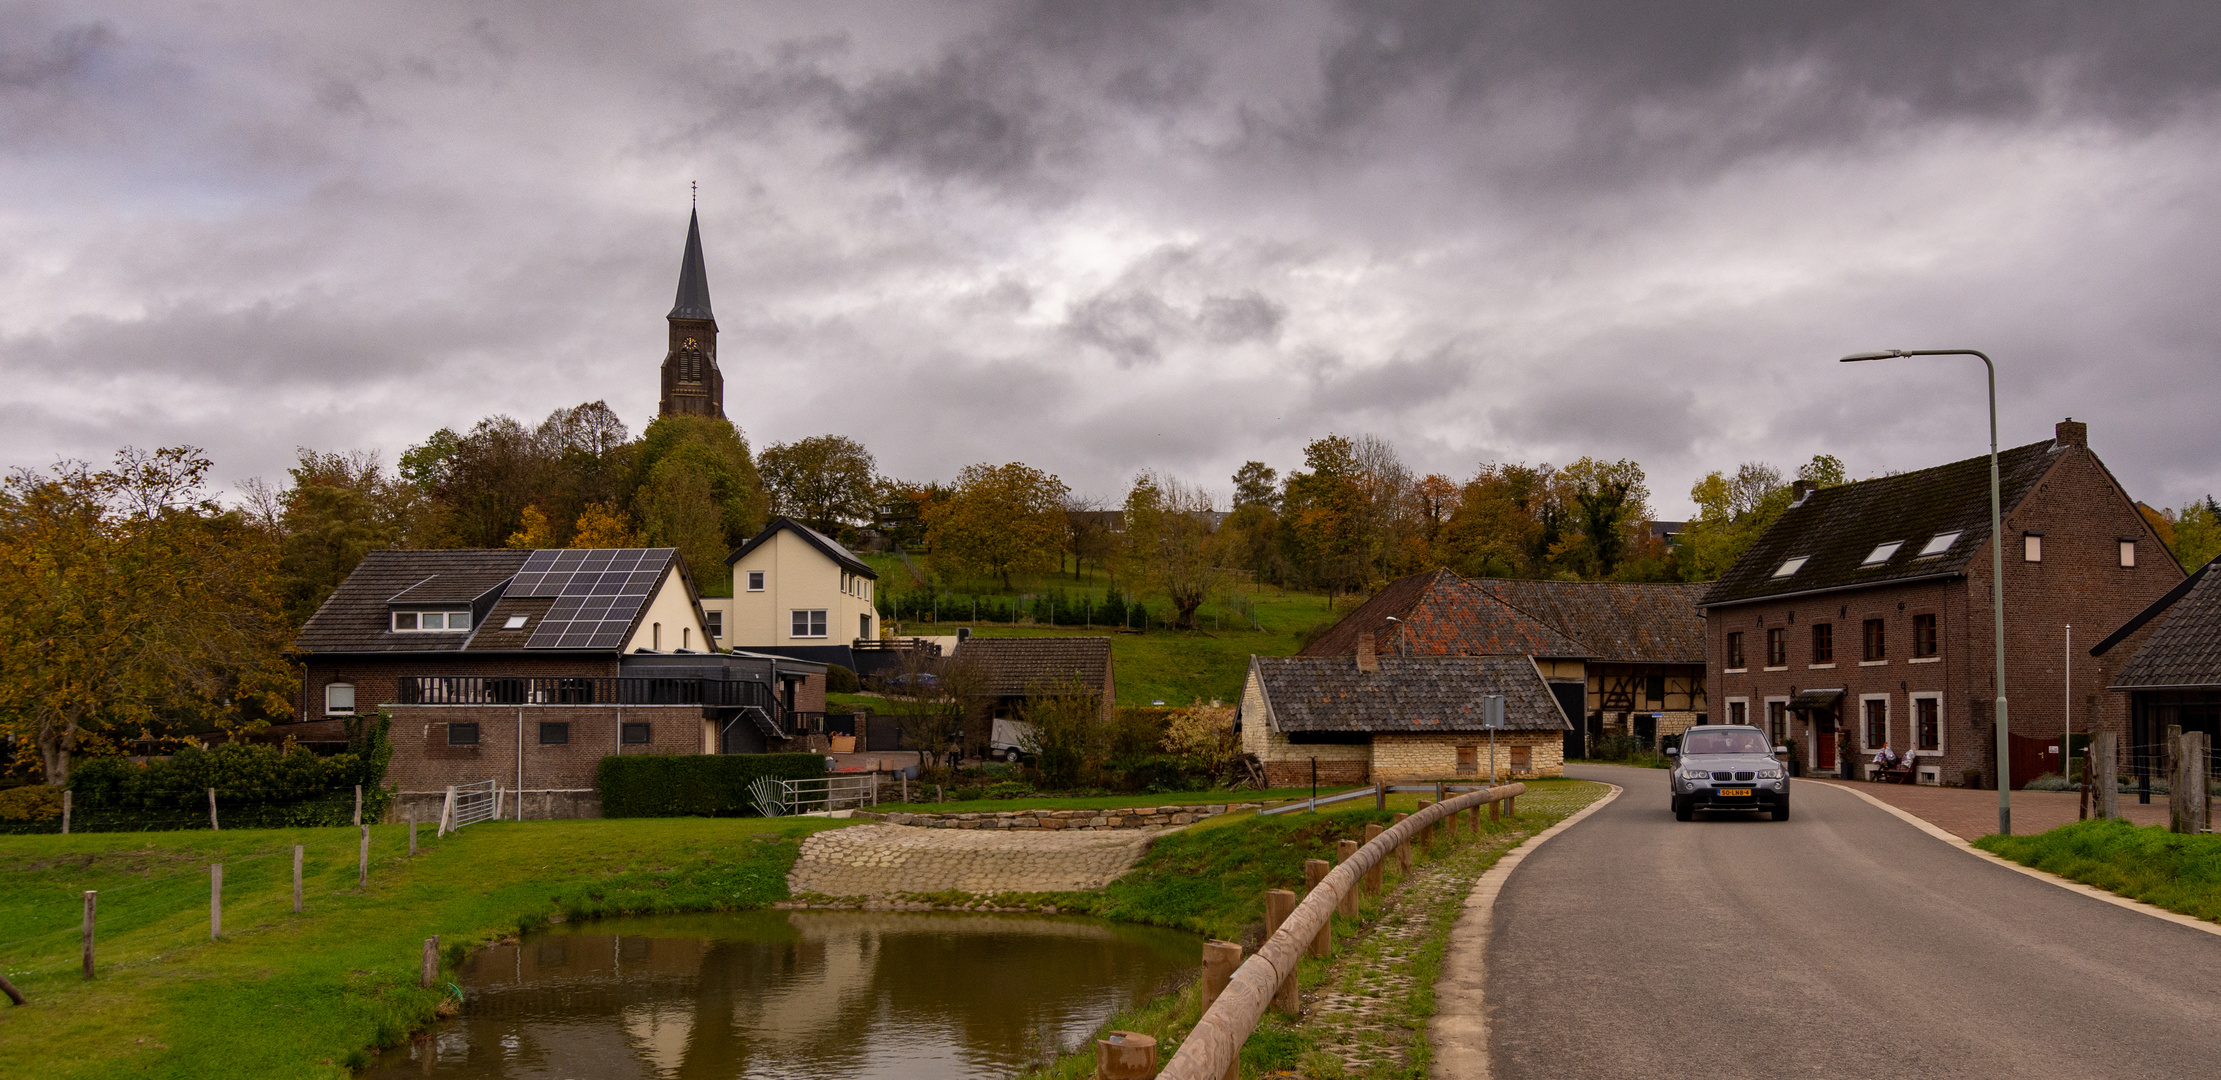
(1861, 618)
(2172, 678)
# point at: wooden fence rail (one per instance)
(1216, 1041)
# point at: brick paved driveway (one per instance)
(1971, 814)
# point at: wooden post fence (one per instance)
(1279, 904)
(362, 862)
(1315, 871)
(2186, 789)
(296, 879)
(15, 996)
(1264, 978)
(429, 971)
(215, 901)
(92, 909)
(1372, 873)
(212, 810)
(1220, 958)
(1403, 850)
(412, 836)
(2109, 775)
(358, 804)
(1344, 851)
(65, 817)
(1426, 835)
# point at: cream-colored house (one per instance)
(794, 587)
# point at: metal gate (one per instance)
(468, 804)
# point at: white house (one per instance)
(794, 588)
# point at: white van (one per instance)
(1006, 741)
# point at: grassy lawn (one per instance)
(287, 995)
(2176, 871)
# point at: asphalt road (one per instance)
(1842, 942)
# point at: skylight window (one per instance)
(1791, 566)
(516, 622)
(1940, 543)
(1882, 553)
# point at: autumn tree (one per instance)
(999, 521)
(1733, 511)
(1204, 737)
(337, 508)
(1611, 504)
(1170, 545)
(1250, 534)
(827, 482)
(131, 603)
(699, 493)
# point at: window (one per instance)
(1523, 759)
(1738, 712)
(1877, 722)
(633, 735)
(1735, 649)
(808, 623)
(415, 621)
(2032, 547)
(2128, 554)
(555, 734)
(716, 624)
(1924, 635)
(1823, 643)
(755, 581)
(1882, 552)
(339, 699)
(1876, 646)
(1791, 566)
(516, 622)
(1939, 543)
(863, 627)
(1469, 760)
(1777, 647)
(655, 637)
(1927, 723)
(1654, 689)
(1777, 722)
(462, 734)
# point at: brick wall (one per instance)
(423, 760)
(377, 679)
(1400, 758)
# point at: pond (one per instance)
(816, 994)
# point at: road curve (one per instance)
(1842, 942)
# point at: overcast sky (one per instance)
(1098, 237)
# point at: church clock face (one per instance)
(690, 344)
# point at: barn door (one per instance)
(1574, 699)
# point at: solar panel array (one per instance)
(598, 592)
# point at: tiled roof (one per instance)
(1835, 529)
(354, 618)
(2186, 649)
(1442, 614)
(1017, 666)
(826, 545)
(1616, 621)
(1407, 694)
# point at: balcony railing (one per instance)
(569, 690)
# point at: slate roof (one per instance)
(1835, 528)
(693, 298)
(353, 619)
(826, 545)
(1442, 614)
(1407, 694)
(1615, 621)
(2186, 649)
(1016, 666)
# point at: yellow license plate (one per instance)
(1734, 792)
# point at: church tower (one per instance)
(692, 385)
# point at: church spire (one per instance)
(693, 301)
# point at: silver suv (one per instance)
(1728, 767)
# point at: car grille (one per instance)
(1743, 776)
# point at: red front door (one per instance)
(1823, 725)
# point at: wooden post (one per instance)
(1344, 851)
(2187, 788)
(429, 971)
(8, 988)
(497, 800)
(1511, 806)
(447, 811)
(215, 901)
(1126, 1055)
(65, 821)
(1473, 819)
(2109, 775)
(1279, 904)
(212, 809)
(1314, 871)
(1372, 876)
(1380, 795)
(1495, 810)
(1220, 958)
(2089, 769)
(362, 862)
(296, 879)
(412, 835)
(1426, 835)
(92, 906)
(358, 804)
(1403, 850)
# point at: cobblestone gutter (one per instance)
(1135, 817)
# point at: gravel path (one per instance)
(884, 860)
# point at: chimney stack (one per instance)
(2072, 433)
(1800, 490)
(1366, 660)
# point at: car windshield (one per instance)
(1725, 742)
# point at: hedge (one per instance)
(694, 785)
(258, 786)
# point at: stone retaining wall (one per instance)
(1125, 817)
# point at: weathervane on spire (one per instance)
(694, 189)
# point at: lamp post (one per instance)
(1997, 574)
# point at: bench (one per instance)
(1901, 773)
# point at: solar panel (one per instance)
(598, 592)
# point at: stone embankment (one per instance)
(1124, 817)
(891, 860)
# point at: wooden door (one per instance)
(1823, 741)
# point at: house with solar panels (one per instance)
(526, 668)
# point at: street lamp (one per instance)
(1997, 574)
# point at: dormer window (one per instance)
(1791, 566)
(1882, 552)
(1939, 543)
(410, 622)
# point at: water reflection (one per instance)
(817, 994)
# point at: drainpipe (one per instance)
(520, 763)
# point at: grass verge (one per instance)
(1101, 802)
(2176, 871)
(314, 994)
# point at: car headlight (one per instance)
(1769, 774)
(1695, 774)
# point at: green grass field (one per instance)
(2176, 871)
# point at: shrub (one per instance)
(840, 680)
(257, 786)
(1203, 737)
(32, 802)
(693, 785)
(1064, 732)
(1009, 789)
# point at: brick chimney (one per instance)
(1366, 660)
(2072, 432)
(1800, 490)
